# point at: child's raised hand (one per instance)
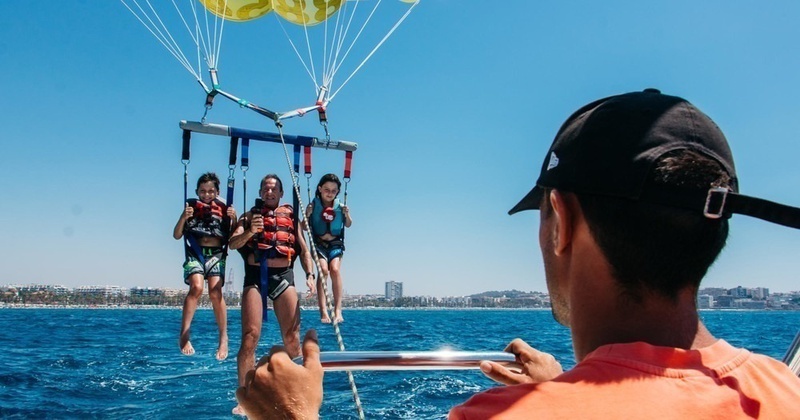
(345, 210)
(188, 211)
(232, 213)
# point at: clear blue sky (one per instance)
(452, 118)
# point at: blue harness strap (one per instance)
(191, 247)
(231, 167)
(264, 290)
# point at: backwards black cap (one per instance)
(609, 147)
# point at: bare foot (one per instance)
(185, 344)
(325, 320)
(238, 410)
(222, 351)
(339, 318)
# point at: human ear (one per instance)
(562, 223)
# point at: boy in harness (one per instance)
(327, 220)
(205, 224)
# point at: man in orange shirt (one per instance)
(634, 197)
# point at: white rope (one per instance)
(325, 44)
(196, 35)
(308, 48)
(396, 25)
(166, 40)
(337, 31)
(343, 36)
(218, 50)
(300, 57)
(313, 250)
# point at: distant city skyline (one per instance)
(398, 287)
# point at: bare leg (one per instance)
(321, 298)
(336, 283)
(220, 313)
(252, 317)
(189, 307)
(287, 310)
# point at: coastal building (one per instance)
(759, 293)
(146, 292)
(394, 290)
(102, 291)
(713, 291)
(705, 301)
(725, 301)
(749, 304)
(738, 292)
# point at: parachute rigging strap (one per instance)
(245, 165)
(310, 243)
(348, 163)
(307, 161)
(296, 194)
(185, 158)
(229, 192)
(231, 169)
(190, 245)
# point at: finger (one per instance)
(241, 394)
(263, 360)
(517, 346)
(276, 349)
(311, 349)
(498, 373)
(248, 378)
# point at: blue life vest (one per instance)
(327, 220)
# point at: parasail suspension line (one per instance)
(310, 243)
(391, 31)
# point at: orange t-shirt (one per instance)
(638, 381)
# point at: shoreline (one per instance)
(314, 308)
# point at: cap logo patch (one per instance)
(553, 161)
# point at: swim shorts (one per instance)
(214, 264)
(280, 278)
(328, 250)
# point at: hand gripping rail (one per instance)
(792, 357)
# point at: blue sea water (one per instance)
(125, 363)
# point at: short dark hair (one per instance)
(656, 248)
(208, 177)
(271, 176)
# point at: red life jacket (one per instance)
(279, 231)
(208, 218)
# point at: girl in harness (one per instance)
(205, 224)
(327, 220)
